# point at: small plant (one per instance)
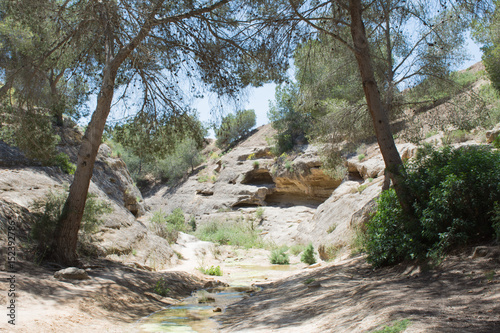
(361, 157)
(251, 156)
(192, 223)
(296, 249)
(328, 253)
(259, 213)
(279, 257)
(168, 227)
(288, 166)
(361, 188)
(308, 255)
(62, 161)
(134, 252)
(216, 271)
(309, 281)
(332, 228)
(179, 255)
(395, 327)
(203, 178)
(161, 288)
(256, 164)
(489, 275)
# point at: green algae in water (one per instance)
(194, 313)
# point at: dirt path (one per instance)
(462, 295)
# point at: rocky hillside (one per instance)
(23, 181)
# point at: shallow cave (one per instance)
(245, 204)
(292, 199)
(258, 177)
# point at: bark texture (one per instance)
(379, 114)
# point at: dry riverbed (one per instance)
(461, 295)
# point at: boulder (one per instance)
(71, 273)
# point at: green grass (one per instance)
(297, 249)
(395, 327)
(310, 280)
(238, 233)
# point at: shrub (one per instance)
(259, 213)
(161, 288)
(279, 257)
(395, 327)
(256, 164)
(192, 223)
(62, 161)
(48, 210)
(455, 191)
(308, 255)
(216, 271)
(168, 227)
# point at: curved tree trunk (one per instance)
(380, 118)
(66, 236)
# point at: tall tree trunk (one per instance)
(66, 235)
(380, 118)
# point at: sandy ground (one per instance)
(461, 295)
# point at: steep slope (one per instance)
(23, 181)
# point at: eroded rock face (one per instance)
(121, 235)
(247, 176)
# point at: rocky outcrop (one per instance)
(121, 237)
(249, 176)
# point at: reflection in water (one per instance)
(195, 312)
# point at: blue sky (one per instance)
(253, 98)
(258, 98)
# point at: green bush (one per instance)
(455, 192)
(161, 288)
(216, 271)
(168, 227)
(62, 161)
(279, 256)
(48, 210)
(308, 255)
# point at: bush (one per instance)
(216, 271)
(161, 288)
(168, 227)
(62, 161)
(48, 210)
(279, 257)
(308, 255)
(455, 192)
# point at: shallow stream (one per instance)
(195, 313)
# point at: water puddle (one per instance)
(195, 313)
